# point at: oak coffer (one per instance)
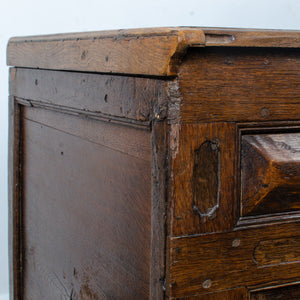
(155, 164)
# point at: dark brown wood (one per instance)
(281, 293)
(159, 140)
(14, 196)
(155, 164)
(220, 84)
(115, 97)
(133, 142)
(207, 263)
(234, 294)
(219, 201)
(206, 180)
(105, 239)
(136, 51)
(270, 173)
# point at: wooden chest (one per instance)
(155, 164)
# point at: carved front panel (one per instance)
(270, 167)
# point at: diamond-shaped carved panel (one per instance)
(270, 166)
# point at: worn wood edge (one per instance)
(174, 101)
(251, 37)
(14, 199)
(155, 31)
(229, 294)
(131, 100)
(273, 286)
(155, 53)
(86, 114)
(158, 213)
(104, 34)
(161, 57)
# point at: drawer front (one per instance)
(235, 211)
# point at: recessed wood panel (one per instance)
(270, 166)
(206, 180)
(86, 214)
(202, 178)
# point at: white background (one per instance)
(30, 17)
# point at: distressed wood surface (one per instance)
(238, 84)
(291, 292)
(156, 51)
(164, 207)
(133, 142)
(14, 200)
(84, 236)
(270, 173)
(234, 37)
(234, 294)
(207, 263)
(115, 97)
(190, 211)
(159, 140)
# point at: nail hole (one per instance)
(105, 98)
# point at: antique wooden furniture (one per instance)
(156, 163)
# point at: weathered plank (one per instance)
(220, 84)
(152, 51)
(215, 262)
(127, 99)
(87, 210)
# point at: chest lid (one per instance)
(147, 52)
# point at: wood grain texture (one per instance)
(277, 251)
(234, 294)
(270, 173)
(238, 84)
(291, 292)
(14, 196)
(131, 141)
(206, 180)
(85, 237)
(184, 217)
(125, 98)
(156, 51)
(236, 37)
(208, 263)
(138, 160)
(159, 145)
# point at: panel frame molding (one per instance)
(278, 127)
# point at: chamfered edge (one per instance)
(147, 52)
